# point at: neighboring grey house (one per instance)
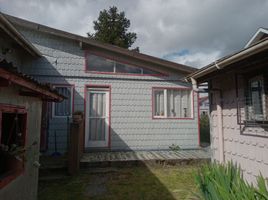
(131, 101)
(21, 100)
(238, 91)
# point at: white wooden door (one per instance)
(97, 118)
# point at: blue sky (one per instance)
(191, 32)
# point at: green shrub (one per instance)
(225, 182)
(204, 129)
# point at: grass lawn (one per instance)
(139, 182)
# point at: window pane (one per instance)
(97, 129)
(147, 71)
(159, 103)
(178, 103)
(186, 103)
(63, 108)
(97, 105)
(123, 68)
(256, 98)
(100, 64)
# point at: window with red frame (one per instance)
(172, 103)
(96, 63)
(12, 142)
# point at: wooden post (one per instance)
(76, 146)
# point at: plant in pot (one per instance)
(78, 116)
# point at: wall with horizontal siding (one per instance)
(244, 145)
(132, 126)
(24, 187)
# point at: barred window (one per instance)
(256, 100)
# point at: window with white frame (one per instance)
(64, 108)
(172, 103)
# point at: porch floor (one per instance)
(144, 156)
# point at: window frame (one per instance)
(8, 108)
(72, 86)
(120, 62)
(263, 96)
(165, 103)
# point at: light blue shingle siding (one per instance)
(132, 126)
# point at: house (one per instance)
(203, 105)
(238, 106)
(21, 100)
(131, 101)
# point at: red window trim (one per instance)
(109, 87)
(172, 118)
(118, 60)
(198, 115)
(53, 103)
(5, 181)
(9, 108)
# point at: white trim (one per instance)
(71, 103)
(105, 143)
(165, 103)
(256, 36)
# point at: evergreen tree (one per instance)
(112, 27)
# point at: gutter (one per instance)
(220, 64)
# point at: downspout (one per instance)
(195, 89)
(194, 83)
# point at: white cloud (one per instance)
(206, 28)
(197, 59)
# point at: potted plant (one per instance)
(78, 116)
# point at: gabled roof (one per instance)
(91, 42)
(259, 35)
(10, 30)
(33, 87)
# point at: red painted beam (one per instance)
(4, 82)
(23, 82)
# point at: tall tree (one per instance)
(112, 27)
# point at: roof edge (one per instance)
(108, 47)
(18, 37)
(260, 30)
(9, 73)
(227, 60)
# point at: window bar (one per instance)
(114, 66)
(165, 103)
